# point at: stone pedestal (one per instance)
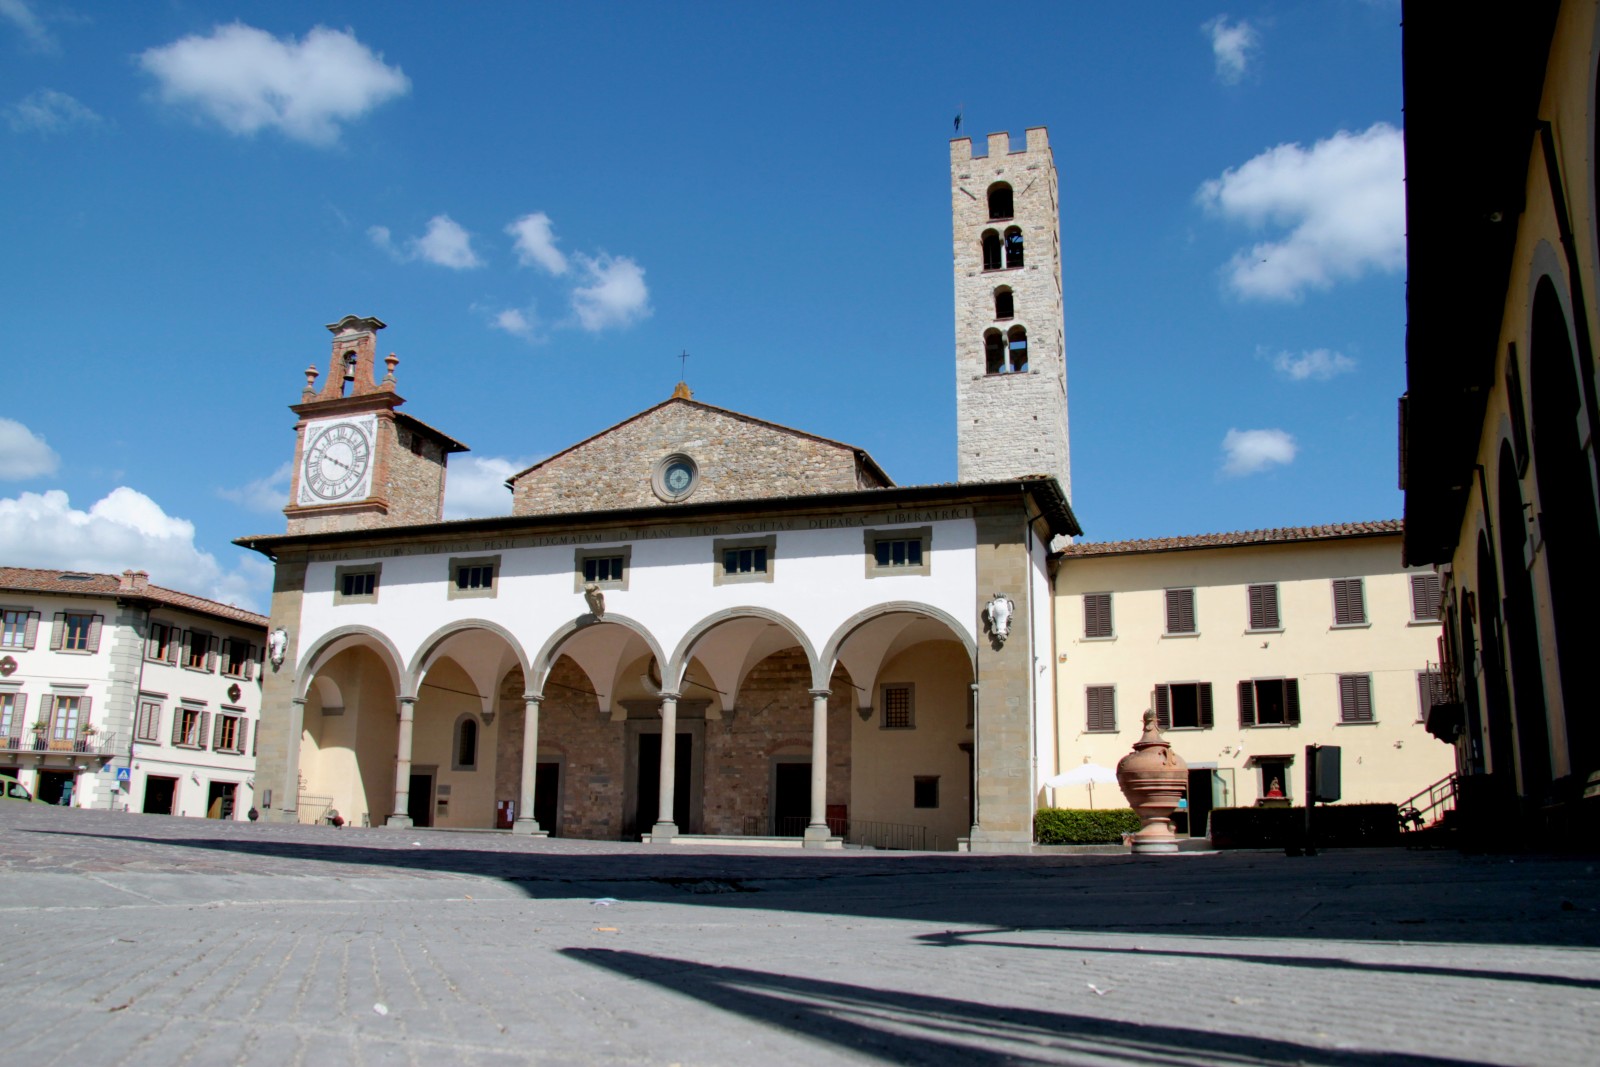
(1153, 778)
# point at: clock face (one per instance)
(338, 460)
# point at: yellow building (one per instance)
(1249, 647)
(1500, 420)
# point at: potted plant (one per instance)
(39, 729)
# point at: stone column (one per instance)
(525, 822)
(817, 832)
(402, 765)
(289, 799)
(665, 829)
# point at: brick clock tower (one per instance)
(359, 463)
(1011, 375)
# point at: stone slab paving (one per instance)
(145, 939)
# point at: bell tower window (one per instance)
(1013, 247)
(1005, 305)
(994, 353)
(1000, 201)
(991, 250)
(1019, 349)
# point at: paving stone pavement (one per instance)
(146, 939)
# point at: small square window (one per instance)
(1424, 598)
(892, 553)
(1264, 607)
(606, 567)
(1269, 702)
(743, 560)
(1184, 706)
(236, 657)
(899, 707)
(1097, 615)
(1349, 602)
(198, 653)
(357, 584)
(1180, 611)
(473, 576)
(925, 791)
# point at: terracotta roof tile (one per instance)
(1235, 539)
(86, 583)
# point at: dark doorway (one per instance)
(1199, 801)
(219, 800)
(1521, 635)
(1496, 693)
(419, 805)
(791, 798)
(546, 791)
(648, 794)
(159, 793)
(55, 787)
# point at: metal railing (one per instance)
(97, 744)
(862, 833)
(314, 809)
(1431, 804)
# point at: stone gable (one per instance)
(737, 457)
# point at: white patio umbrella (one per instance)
(1089, 774)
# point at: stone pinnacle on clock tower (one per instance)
(1011, 379)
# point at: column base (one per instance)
(662, 833)
(399, 822)
(528, 828)
(816, 837)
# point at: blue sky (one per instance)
(547, 203)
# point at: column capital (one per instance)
(298, 700)
(407, 700)
(532, 698)
(669, 694)
(824, 693)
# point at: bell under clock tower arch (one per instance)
(359, 462)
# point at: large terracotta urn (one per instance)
(1154, 779)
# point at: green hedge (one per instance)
(1337, 826)
(1079, 826)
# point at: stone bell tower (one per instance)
(360, 463)
(1011, 376)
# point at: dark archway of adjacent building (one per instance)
(1521, 633)
(1496, 695)
(1567, 517)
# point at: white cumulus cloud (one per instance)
(1342, 202)
(536, 243)
(28, 22)
(445, 243)
(23, 453)
(49, 111)
(125, 529)
(515, 322)
(1251, 451)
(615, 294)
(265, 495)
(1232, 46)
(476, 486)
(246, 80)
(1319, 365)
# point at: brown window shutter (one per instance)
(1291, 701)
(94, 632)
(1364, 697)
(84, 704)
(205, 729)
(177, 725)
(151, 645)
(1180, 611)
(1424, 597)
(174, 645)
(250, 662)
(58, 628)
(31, 638)
(1247, 703)
(1263, 607)
(216, 736)
(1102, 709)
(238, 740)
(211, 654)
(19, 720)
(1097, 615)
(1163, 704)
(1207, 719)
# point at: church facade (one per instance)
(695, 623)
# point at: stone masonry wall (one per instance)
(738, 458)
(1009, 425)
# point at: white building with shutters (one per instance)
(122, 695)
(1249, 647)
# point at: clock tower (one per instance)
(359, 462)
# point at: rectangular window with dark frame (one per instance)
(606, 567)
(1264, 607)
(474, 576)
(357, 584)
(744, 561)
(1102, 703)
(1355, 698)
(925, 791)
(1180, 611)
(75, 631)
(71, 713)
(200, 651)
(189, 726)
(899, 711)
(1097, 615)
(19, 628)
(1430, 691)
(1349, 602)
(602, 569)
(898, 552)
(13, 709)
(1269, 702)
(163, 643)
(1424, 598)
(237, 657)
(1184, 706)
(148, 725)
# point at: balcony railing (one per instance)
(96, 745)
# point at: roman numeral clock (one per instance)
(336, 465)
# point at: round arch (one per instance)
(548, 652)
(336, 641)
(425, 651)
(680, 655)
(823, 669)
